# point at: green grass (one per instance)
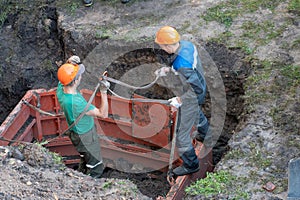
(71, 5)
(57, 158)
(263, 32)
(103, 32)
(273, 82)
(108, 184)
(294, 5)
(257, 86)
(296, 43)
(217, 183)
(292, 74)
(226, 12)
(256, 34)
(234, 154)
(258, 159)
(5, 8)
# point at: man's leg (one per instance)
(95, 167)
(202, 127)
(203, 133)
(82, 165)
(187, 116)
(92, 153)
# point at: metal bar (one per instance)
(14, 122)
(27, 131)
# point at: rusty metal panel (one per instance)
(151, 122)
(128, 135)
(14, 122)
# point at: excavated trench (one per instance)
(233, 71)
(31, 44)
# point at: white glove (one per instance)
(174, 102)
(162, 71)
(74, 60)
(104, 85)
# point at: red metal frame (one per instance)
(137, 132)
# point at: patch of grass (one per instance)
(226, 12)
(243, 45)
(149, 19)
(294, 5)
(257, 34)
(57, 158)
(262, 75)
(74, 6)
(222, 14)
(71, 5)
(184, 26)
(257, 85)
(107, 184)
(279, 84)
(103, 33)
(262, 33)
(254, 30)
(258, 159)
(5, 9)
(296, 43)
(121, 182)
(217, 183)
(292, 74)
(223, 37)
(234, 154)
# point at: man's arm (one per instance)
(102, 111)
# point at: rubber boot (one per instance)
(190, 164)
(97, 171)
(125, 1)
(87, 3)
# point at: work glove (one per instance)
(104, 86)
(74, 60)
(162, 71)
(175, 102)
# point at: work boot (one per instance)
(125, 1)
(190, 164)
(97, 171)
(184, 170)
(87, 3)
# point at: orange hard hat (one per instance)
(167, 35)
(68, 72)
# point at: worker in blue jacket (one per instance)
(186, 62)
